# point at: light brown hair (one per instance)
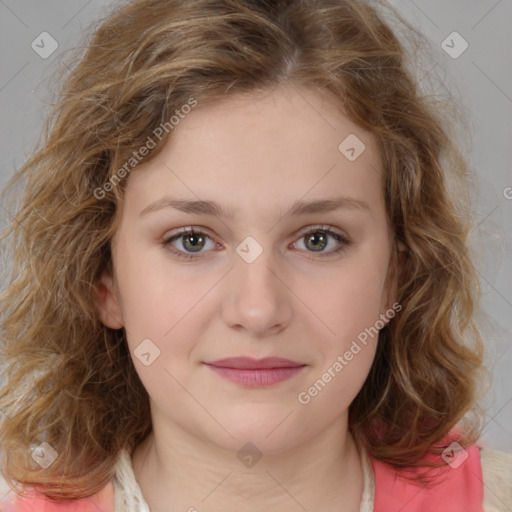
(70, 380)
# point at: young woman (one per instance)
(240, 277)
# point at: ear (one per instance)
(396, 264)
(107, 302)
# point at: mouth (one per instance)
(256, 373)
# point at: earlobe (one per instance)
(107, 302)
(400, 247)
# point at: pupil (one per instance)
(319, 241)
(196, 244)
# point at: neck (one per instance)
(176, 471)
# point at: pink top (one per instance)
(102, 501)
(458, 488)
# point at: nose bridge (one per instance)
(257, 298)
(253, 268)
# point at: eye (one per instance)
(189, 240)
(317, 239)
(193, 241)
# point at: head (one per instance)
(256, 110)
(256, 284)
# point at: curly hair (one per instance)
(70, 380)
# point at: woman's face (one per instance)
(252, 175)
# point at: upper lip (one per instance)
(249, 363)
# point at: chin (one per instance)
(271, 432)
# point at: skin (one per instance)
(256, 154)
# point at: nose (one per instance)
(257, 298)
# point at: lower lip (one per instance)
(259, 378)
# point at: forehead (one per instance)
(258, 148)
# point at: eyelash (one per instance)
(344, 242)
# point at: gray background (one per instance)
(480, 79)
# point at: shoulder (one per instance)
(497, 478)
(456, 486)
(10, 501)
(476, 478)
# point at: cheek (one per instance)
(347, 300)
(346, 339)
(162, 302)
(334, 387)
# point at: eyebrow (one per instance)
(214, 209)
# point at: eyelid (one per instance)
(322, 227)
(188, 229)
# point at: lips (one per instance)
(248, 363)
(254, 373)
